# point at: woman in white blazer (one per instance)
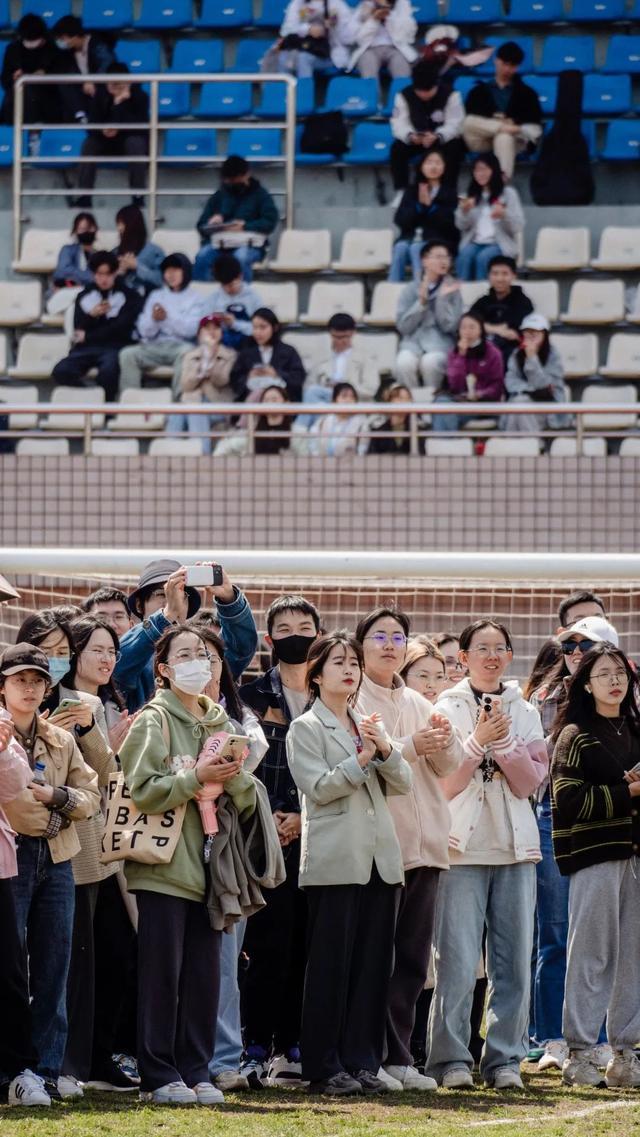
(385, 32)
(351, 868)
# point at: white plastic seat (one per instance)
(43, 447)
(302, 250)
(38, 355)
(20, 394)
(449, 447)
(175, 448)
(381, 350)
(52, 320)
(619, 249)
(312, 347)
(524, 447)
(545, 297)
(579, 354)
(282, 298)
(568, 448)
(143, 397)
(115, 447)
(94, 396)
(365, 250)
(597, 393)
(3, 354)
(39, 250)
(384, 304)
(20, 302)
(472, 290)
(595, 302)
(561, 250)
(623, 357)
(185, 241)
(326, 299)
(630, 448)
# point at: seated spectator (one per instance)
(234, 300)
(104, 315)
(426, 213)
(428, 316)
(30, 53)
(344, 363)
(167, 325)
(73, 259)
(504, 307)
(138, 258)
(241, 206)
(310, 42)
(79, 53)
(205, 376)
(332, 436)
(119, 103)
(535, 375)
(392, 435)
(425, 114)
(490, 220)
(272, 430)
(384, 37)
(265, 357)
(503, 115)
(475, 373)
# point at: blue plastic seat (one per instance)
(272, 14)
(475, 12)
(164, 14)
(623, 56)
(304, 159)
(567, 53)
(525, 42)
(273, 99)
(427, 12)
(588, 11)
(370, 144)
(50, 10)
(249, 54)
(65, 144)
(197, 56)
(606, 94)
(252, 144)
(140, 55)
(174, 99)
(224, 100)
(463, 85)
(6, 145)
(193, 144)
(535, 11)
(546, 88)
(5, 19)
(225, 14)
(356, 98)
(107, 15)
(623, 141)
(394, 86)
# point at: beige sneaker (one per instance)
(623, 1069)
(457, 1078)
(554, 1055)
(580, 1069)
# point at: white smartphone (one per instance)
(492, 704)
(203, 576)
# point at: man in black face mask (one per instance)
(240, 215)
(276, 936)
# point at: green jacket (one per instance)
(154, 788)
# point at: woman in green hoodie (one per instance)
(178, 952)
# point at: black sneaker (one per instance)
(51, 1086)
(112, 1079)
(340, 1085)
(370, 1083)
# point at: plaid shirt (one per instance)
(265, 695)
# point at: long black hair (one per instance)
(543, 354)
(134, 238)
(548, 666)
(580, 705)
(496, 183)
(228, 685)
(269, 317)
(36, 627)
(81, 631)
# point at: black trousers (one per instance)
(351, 931)
(403, 156)
(414, 935)
(275, 942)
(124, 144)
(17, 1052)
(72, 370)
(178, 989)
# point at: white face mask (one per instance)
(192, 676)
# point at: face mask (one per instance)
(192, 676)
(32, 44)
(62, 45)
(293, 649)
(86, 238)
(59, 666)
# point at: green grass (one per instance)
(544, 1109)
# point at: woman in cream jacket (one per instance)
(385, 32)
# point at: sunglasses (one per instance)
(569, 646)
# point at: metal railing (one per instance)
(153, 128)
(252, 411)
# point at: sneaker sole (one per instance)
(108, 1087)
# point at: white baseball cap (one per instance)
(536, 322)
(594, 628)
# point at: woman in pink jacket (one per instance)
(17, 1055)
(428, 742)
(475, 373)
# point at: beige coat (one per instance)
(361, 372)
(215, 386)
(346, 823)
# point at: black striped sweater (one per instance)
(594, 817)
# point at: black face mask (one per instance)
(293, 649)
(86, 238)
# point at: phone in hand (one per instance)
(491, 704)
(66, 705)
(204, 576)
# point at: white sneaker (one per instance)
(602, 1055)
(623, 1069)
(28, 1089)
(554, 1055)
(207, 1094)
(174, 1093)
(581, 1069)
(411, 1079)
(231, 1080)
(69, 1087)
(507, 1078)
(283, 1072)
(389, 1081)
(457, 1078)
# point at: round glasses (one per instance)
(398, 639)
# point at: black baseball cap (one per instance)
(24, 657)
(158, 572)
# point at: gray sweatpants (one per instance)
(603, 960)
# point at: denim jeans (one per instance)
(504, 897)
(205, 258)
(228, 1046)
(448, 423)
(303, 63)
(316, 393)
(198, 425)
(406, 252)
(44, 895)
(553, 925)
(473, 261)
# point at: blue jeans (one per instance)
(316, 393)
(406, 252)
(206, 257)
(228, 1047)
(305, 65)
(448, 423)
(503, 896)
(473, 261)
(195, 424)
(44, 895)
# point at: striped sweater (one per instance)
(595, 819)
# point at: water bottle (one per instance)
(38, 774)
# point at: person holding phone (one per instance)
(384, 36)
(315, 36)
(493, 849)
(490, 220)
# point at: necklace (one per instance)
(617, 730)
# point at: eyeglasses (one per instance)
(483, 650)
(569, 646)
(189, 656)
(453, 664)
(100, 653)
(617, 676)
(398, 639)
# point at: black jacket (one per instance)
(436, 220)
(378, 444)
(100, 55)
(285, 360)
(133, 109)
(523, 106)
(265, 696)
(29, 60)
(511, 311)
(105, 331)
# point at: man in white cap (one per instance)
(535, 375)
